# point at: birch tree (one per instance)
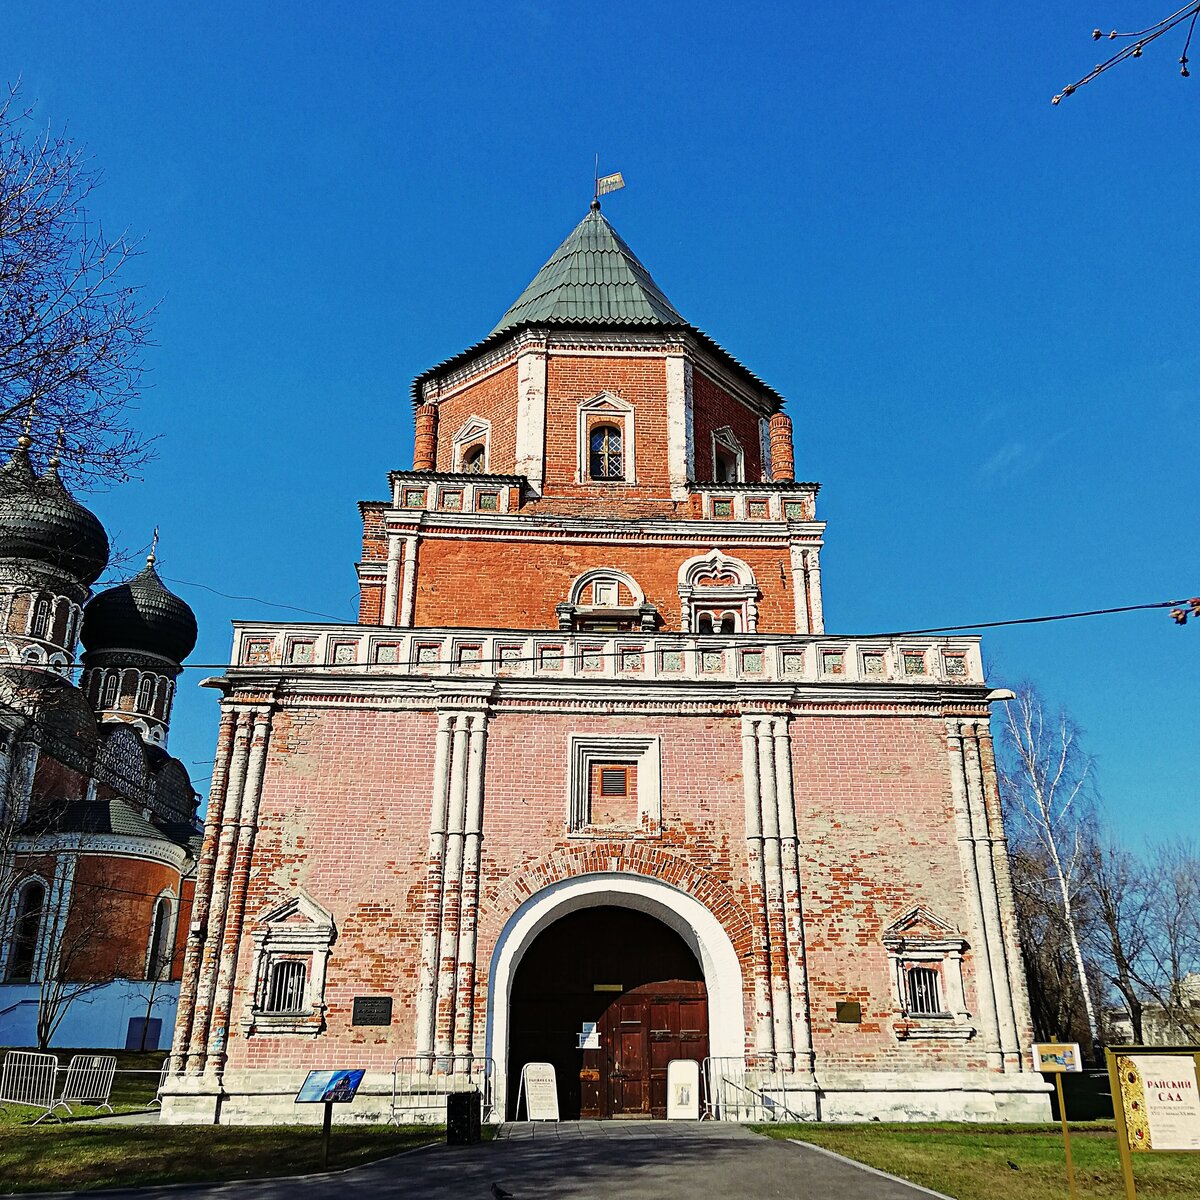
(1047, 782)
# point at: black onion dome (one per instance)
(41, 521)
(140, 615)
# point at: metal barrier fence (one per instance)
(420, 1086)
(28, 1079)
(753, 1088)
(89, 1081)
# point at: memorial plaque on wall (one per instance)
(372, 1010)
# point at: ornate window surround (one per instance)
(740, 596)
(473, 431)
(725, 439)
(167, 949)
(921, 939)
(609, 410)
(645, 755)
(279, 936)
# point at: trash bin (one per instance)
(463, 1112)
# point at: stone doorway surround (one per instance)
(694, 923)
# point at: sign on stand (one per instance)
(683, 1090)
(540, 1089)
(1156, 1101)
(1057, 1059)
(329, 1088)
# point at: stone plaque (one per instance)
(849, 1012)
(372, 1010)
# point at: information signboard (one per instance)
(589, 1036)
(540, 1088)
(683, 1090)
(1054, 1058)
(371, 1010)
(1161, 1101)
(329, 1087)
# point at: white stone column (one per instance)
(409, 587)
(391, 586)
(452, 889)
(680, 438)
(800, 588)
(990, 897)
(464, 1017)
(781, 988)
(814, 590)
(432, 925)
(985, 994)
(764, 1025)
(792, 900)
(531, 414)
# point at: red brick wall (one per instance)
(712, 409)
(495, 399)
(515, 585)
(345, 817)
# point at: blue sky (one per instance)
(981, 308)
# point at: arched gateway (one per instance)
(674, 956)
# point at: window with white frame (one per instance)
(717, 594)
(111, 686)
(292, 945)
(926, 957)
(615, 785)
(729, 459)
(606, 440)
(28, 909)
(41, 619)
(472, 445)
(158, 958)
(145, 694)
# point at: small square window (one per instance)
(833, 662)
(258, 650)
(301, 653)
(487, 501)
(722, 507)
(756, 510)
(414, 497)
(914, 662)
(956, 664)
(793, 510)
(923, 994)
(452, 501)
(389, 652)
(343, 653)
(613, 795)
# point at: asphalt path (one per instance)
(625, 1160)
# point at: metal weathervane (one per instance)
(606, 183)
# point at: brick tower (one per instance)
(590, 757)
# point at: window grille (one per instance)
(473, 461)
(285, 987)
(923, 995)
(26, 927)
(110, 692)
(143, 697)
(156, 962)
(614, 781)
(606, 460)
(41, 618)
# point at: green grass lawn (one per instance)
(95, 1154)
(134, 1086)
(972, 1162)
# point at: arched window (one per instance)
(605, 459)
(145, 694)
(41, 618)
(704, 623)
(472, 460)
(22, 954)
(158, 960)
(111, 686)
(285, 987)
(924, 996)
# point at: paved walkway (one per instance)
(624, 1160)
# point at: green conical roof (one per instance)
(593, 278)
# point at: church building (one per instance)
(590, 784)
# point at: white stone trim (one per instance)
(168, 936)
(698, 927)
(742, 597)
(644, 752)
(531, 414)
(622, 413)
(602, 575)
(474, 429)
(680, 435)
(725, 439)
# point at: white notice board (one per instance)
(540, 1088)
(683, 1090)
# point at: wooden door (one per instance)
(628, 1060)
